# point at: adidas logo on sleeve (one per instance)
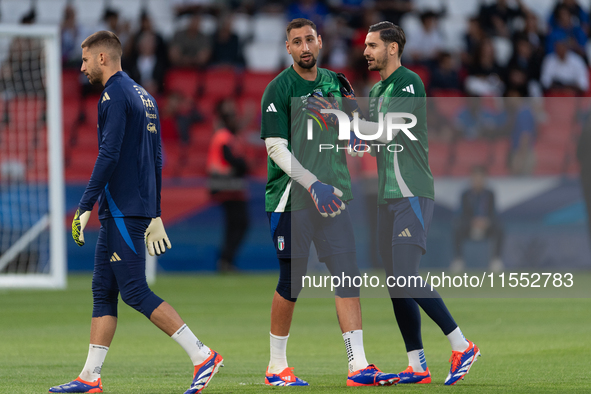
(409, 89)
(271, 108)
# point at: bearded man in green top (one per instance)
(305, 201)
(405, 199)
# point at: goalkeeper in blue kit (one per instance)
(405, 198)
(126, 181)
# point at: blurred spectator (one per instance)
(566, 31)
(148, 69)
(189, 7)
(180, 113)
(484, 73)
(336, 42)
(497, 18)
(227, 171)
(112, 23)
(72, 35)
(393, 10)
(226, 48)
(532, 33)
(578, 16)
(564, 70)
(523, 71)
(441, 128)
(310, 9)
(190, 47)
(424, 46)
(522, 125)
(583, 149)
(472, 40)
(478, 221)
(22, 71)
(478, 121)
(446, 75)
(146, 26)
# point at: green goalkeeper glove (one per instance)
(156, 237)
(78, 225)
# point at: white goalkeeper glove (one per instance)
(156, 237)
(78, 224)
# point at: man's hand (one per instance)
(78, 224)
(350, 104)
(351, 107)
(316, 103)
(326, 198)
(156, 237)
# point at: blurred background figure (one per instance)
(226, 48)
(72, 34)
(146, 67)
(521, 124)
(583, 149)
(424, 46)
(190, 47)
(566, 31)
(497, 18)
(484, 74)
(565, 70)
(227, 184)
(477, 222)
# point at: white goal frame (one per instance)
(56, 278)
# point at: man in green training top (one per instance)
(304, 202)
(405, 199)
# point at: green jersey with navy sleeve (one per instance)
(284, 115)
(405, 173)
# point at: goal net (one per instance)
(32, 233)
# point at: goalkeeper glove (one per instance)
(351, 106)
(156, 237)
(78, 224)
(326, 198)
(316, 103)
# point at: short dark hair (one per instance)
(297, 23)
(105, 39)
(389, 33)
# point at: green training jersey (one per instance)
(284, 115)
(403, 164)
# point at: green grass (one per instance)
(528, 345)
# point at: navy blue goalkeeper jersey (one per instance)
(127, 175)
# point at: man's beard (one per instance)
(95, 77)
(379, 64)
(309, 65)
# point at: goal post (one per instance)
(32, 189)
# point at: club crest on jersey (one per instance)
(280, 243)
(380, 102)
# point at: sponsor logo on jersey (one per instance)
(409, 89)
(405, 233)
(105, 97)
(271, 108)
(152, 128)
(115, 257)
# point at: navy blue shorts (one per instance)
(405, 221)
(120, 267)
(293, 233)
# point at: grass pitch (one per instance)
(527, 345)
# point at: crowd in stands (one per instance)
(473, 53)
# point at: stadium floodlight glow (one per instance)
(32, 233)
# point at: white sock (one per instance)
(94, 363)
(196, 350)
(457, 341)
(278, 361)
(355, 352)
(416, 359)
